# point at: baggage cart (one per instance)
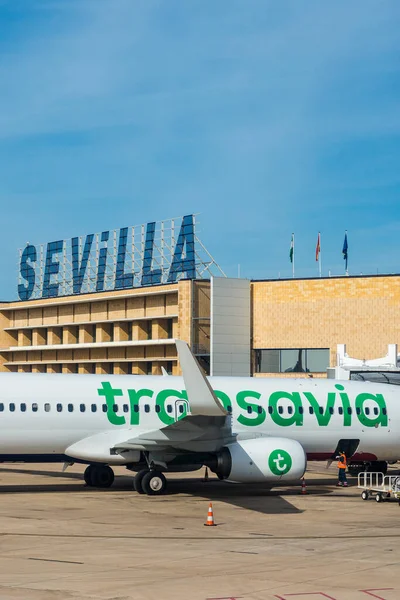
(382, 487)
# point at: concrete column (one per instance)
(70, 334)
(86, 334)
(139, 368)
(159, 329)
(121, 332)
(25, 337)
(102, 368)
(140, 331)
(121, 368)
(54, 336)
(39, 337)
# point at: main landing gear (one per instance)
(152, 483)
(99, 476)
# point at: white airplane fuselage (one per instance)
(42, 415)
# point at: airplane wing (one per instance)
(206, 428)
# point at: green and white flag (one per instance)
(291, 248)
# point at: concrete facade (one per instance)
(132, 331)
(121, 332)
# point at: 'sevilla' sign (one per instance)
(158, 252)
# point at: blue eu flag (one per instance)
(345, 249)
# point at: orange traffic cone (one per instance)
(206, 475)
(303, 487)
(210, 517)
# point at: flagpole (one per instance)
(293, 257)
(319, 256)
(345, 247)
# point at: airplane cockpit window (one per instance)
(59, 407)
(82, 407)
(47, 407)
(23, 407)
(34, 407)
(70, 408)
(12, 407)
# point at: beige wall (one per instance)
(361, 312)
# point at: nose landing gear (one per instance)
(152, 483)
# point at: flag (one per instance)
(318, 248)
(345, 248)
(291, 248)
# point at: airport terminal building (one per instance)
(114, 302)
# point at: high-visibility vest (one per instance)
(342, 464)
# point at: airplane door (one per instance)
(181, 409)
(349, 447)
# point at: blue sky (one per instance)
(267, 117)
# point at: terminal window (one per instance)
(292, 360)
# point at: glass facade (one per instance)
(292, 360)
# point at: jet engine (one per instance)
(261, 460)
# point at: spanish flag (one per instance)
(318, 247)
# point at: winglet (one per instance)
(202, 399)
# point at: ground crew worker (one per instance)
(342, 466)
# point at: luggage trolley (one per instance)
(383, 486)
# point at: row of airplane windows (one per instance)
(23, 407)
(147, 408)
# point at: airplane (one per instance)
(244, 429)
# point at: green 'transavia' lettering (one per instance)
(255, 412)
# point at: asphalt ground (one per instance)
(60, 540)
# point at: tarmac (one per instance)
(60, 540)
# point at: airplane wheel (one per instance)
(87, 476)
(154, 483)
(100, 476)
(137, 481)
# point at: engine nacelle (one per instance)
(262, 460)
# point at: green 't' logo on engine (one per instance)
(280, 462)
